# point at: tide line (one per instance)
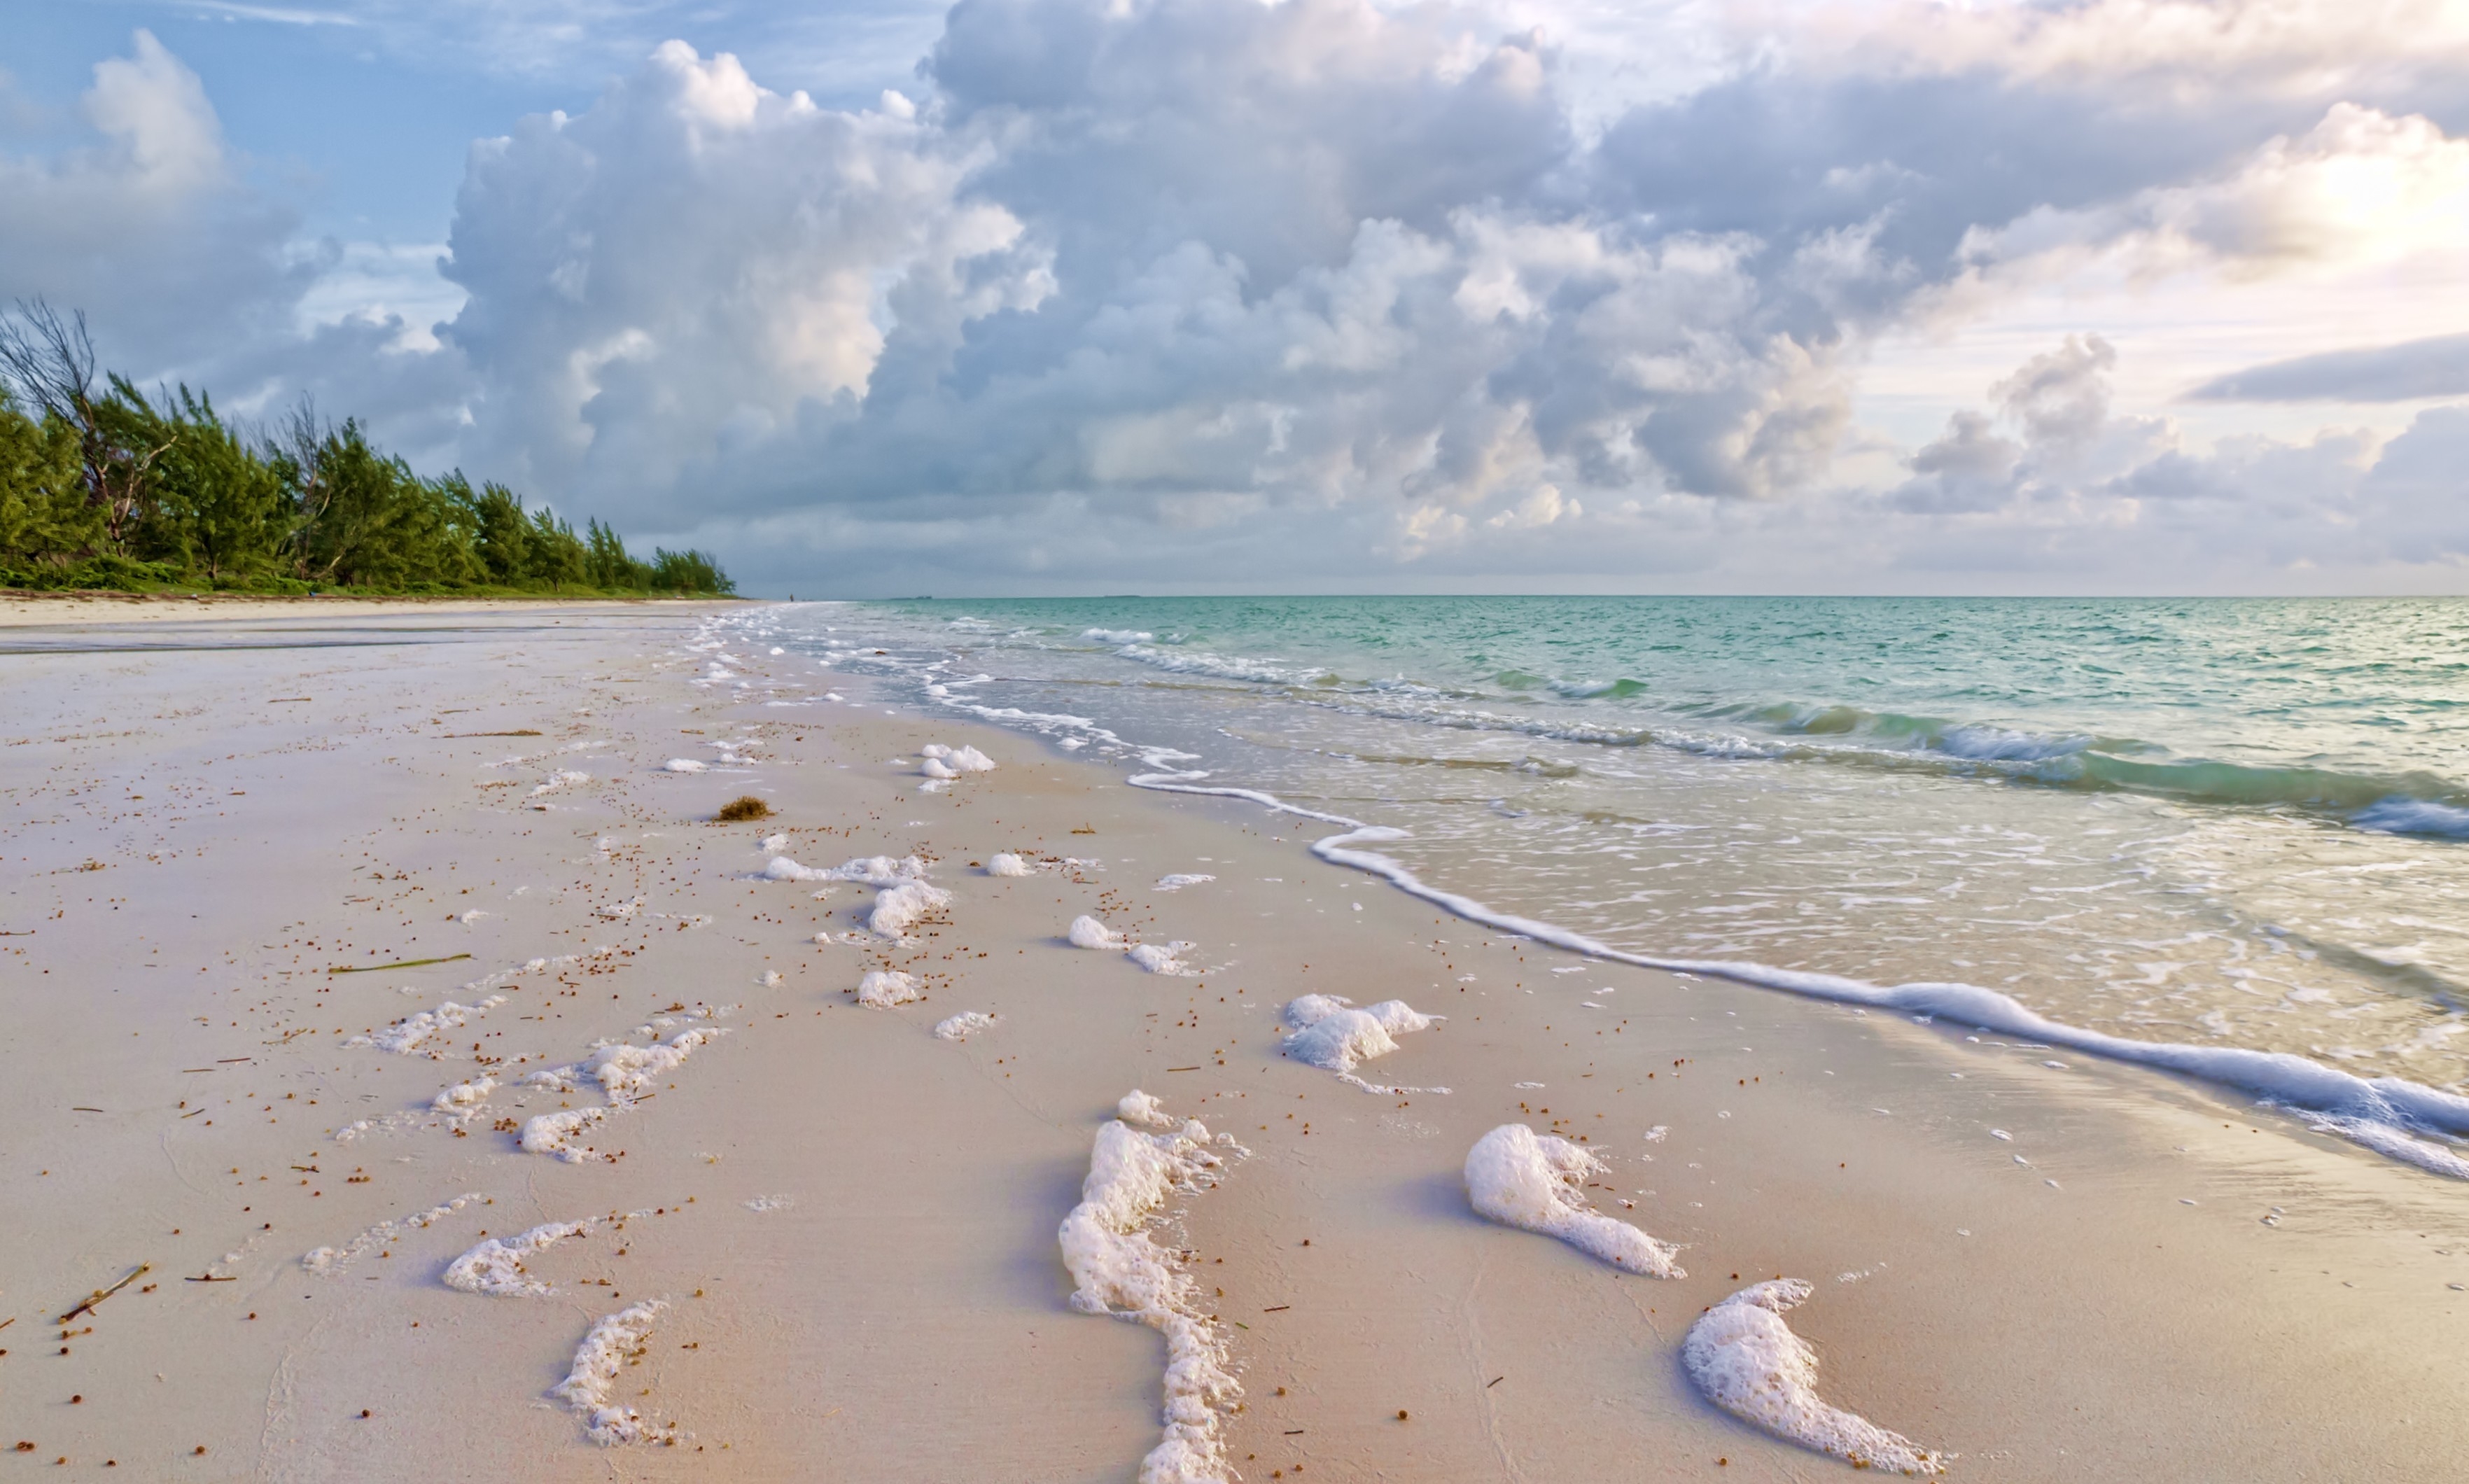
(2383, 1114)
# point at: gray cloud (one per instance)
(1213, 292)
(2407, 372)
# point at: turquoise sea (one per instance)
(2226, 823)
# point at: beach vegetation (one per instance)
(104, 486)
(742, 808)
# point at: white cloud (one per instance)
(147, 218)
(1333, 292)
(2359, 189)
(698, 262)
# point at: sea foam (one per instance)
(1115, 1269)
(1518, 1177)
(884, 989)
(1002, 862)
(2383, 1113)
(1748, 1362)
(1159, 958)
(411, 1035)
(1331, 1034)
(616, 1342)
(949, 762)
(898, 908)
(963, 1026)
(495, 1266)
(625, 1073)
(1087, 932)
(904, 899)
(327, 1261)
(464, 1098)
(2402, 815)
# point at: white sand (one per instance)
(854, 1223)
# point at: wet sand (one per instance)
(852, 1223)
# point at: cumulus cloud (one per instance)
(1313, 252)
(148, 218)
(2359, 186)
(1129, 283)
(2049, 480)
(1219, 291)
(698, 266)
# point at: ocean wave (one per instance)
(1234, 667)
(2390, 1115)
(1620, 712)
(2411, 805)
(1590, 691)
(2401, 815)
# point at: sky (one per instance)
(869, 297)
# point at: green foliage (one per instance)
(211, 503)
(44, 516)
(102, 487)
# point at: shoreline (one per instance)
(895, 1310)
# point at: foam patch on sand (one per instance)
(867, 870)
(1331, 1035)
(560, 780)
(681, 765)
(884, 989)
(1005, 863)
(464, 1098)
(876, 871)
(900, 908)
(1160, 958)
(616, 1342)
(954, 761)
(1177, 881)
(1521, 1178)
(327, 1261)
(1115, 1269)
(411, 1033)
(1087, 932)
(905, 896)
(625, 1073)
(1748, 1362)
(965, 1024)
(495, 1266)
(1145, 1110)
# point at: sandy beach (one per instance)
(319, 917)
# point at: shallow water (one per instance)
(2221, 823)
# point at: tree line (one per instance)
(102, 486)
